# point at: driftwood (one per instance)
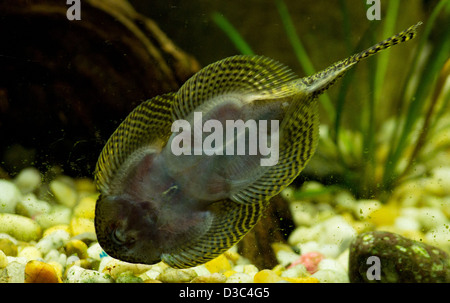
(66, 85)
(274, 227)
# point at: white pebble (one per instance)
(28, 180)
(20, 227)
(58, 215)
(403, 223)
(115, 267)
(330, 264)
(54, 240)
(150, 274)
(201, 270)
(439, 236)
(430, 217)
(77, 274)
(95, 251)
(337, 231)
(304, 234)
(331, 276)
(13, 273)
(239, 277)
(55, 256)
(9, 196)
(286, 257)
(31, 206)
(328, 250)
(297, 271)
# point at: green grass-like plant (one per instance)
(424, 94)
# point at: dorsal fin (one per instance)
(146, 126)
(241, 74)
(321, 81)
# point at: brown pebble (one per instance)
(40, 272)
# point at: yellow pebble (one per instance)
(40, 272)
(229, 273)
(266, 276)
(276, 246)
(85, 208)
(81, 225)
(51, 229)
(232, 255)
(385, 215)
(76, 247)
(278, 269)
(85, 185)
(29, 253)
(219, 264)
(302, 280)
(57, 267)
(64, 193)
(3, 259)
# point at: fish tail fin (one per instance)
(321, 81)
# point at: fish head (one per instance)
(121, 224)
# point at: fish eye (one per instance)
(118, 236)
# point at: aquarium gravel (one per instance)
(47, 234)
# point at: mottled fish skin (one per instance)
(186, 210)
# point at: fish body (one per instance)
(185, 209)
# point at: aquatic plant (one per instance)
(380, 153)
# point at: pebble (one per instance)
(86, 207)
(9, 196)
(440, 237)
(58, 215)
(77, 248)
(401, 260)
(285, 258)
(30, 206)
(55, 240)
(210, 278)
(64, 193)
(40, 272)
(95, 251)
(19, 227)
(310, 261)
(3, 259)
(30, 253)
(334, 235)
(13, 272)
(173, 275)
(219, 264)
(77, 274)
(331, 276)
(239, 277)
(28, 180)
(295, 271)
(430, 218)
(114, 267)
(128, 277)
(81, 225)
(8, 245)
(267, 276)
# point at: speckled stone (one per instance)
(401, 260)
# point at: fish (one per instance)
(189, 208)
